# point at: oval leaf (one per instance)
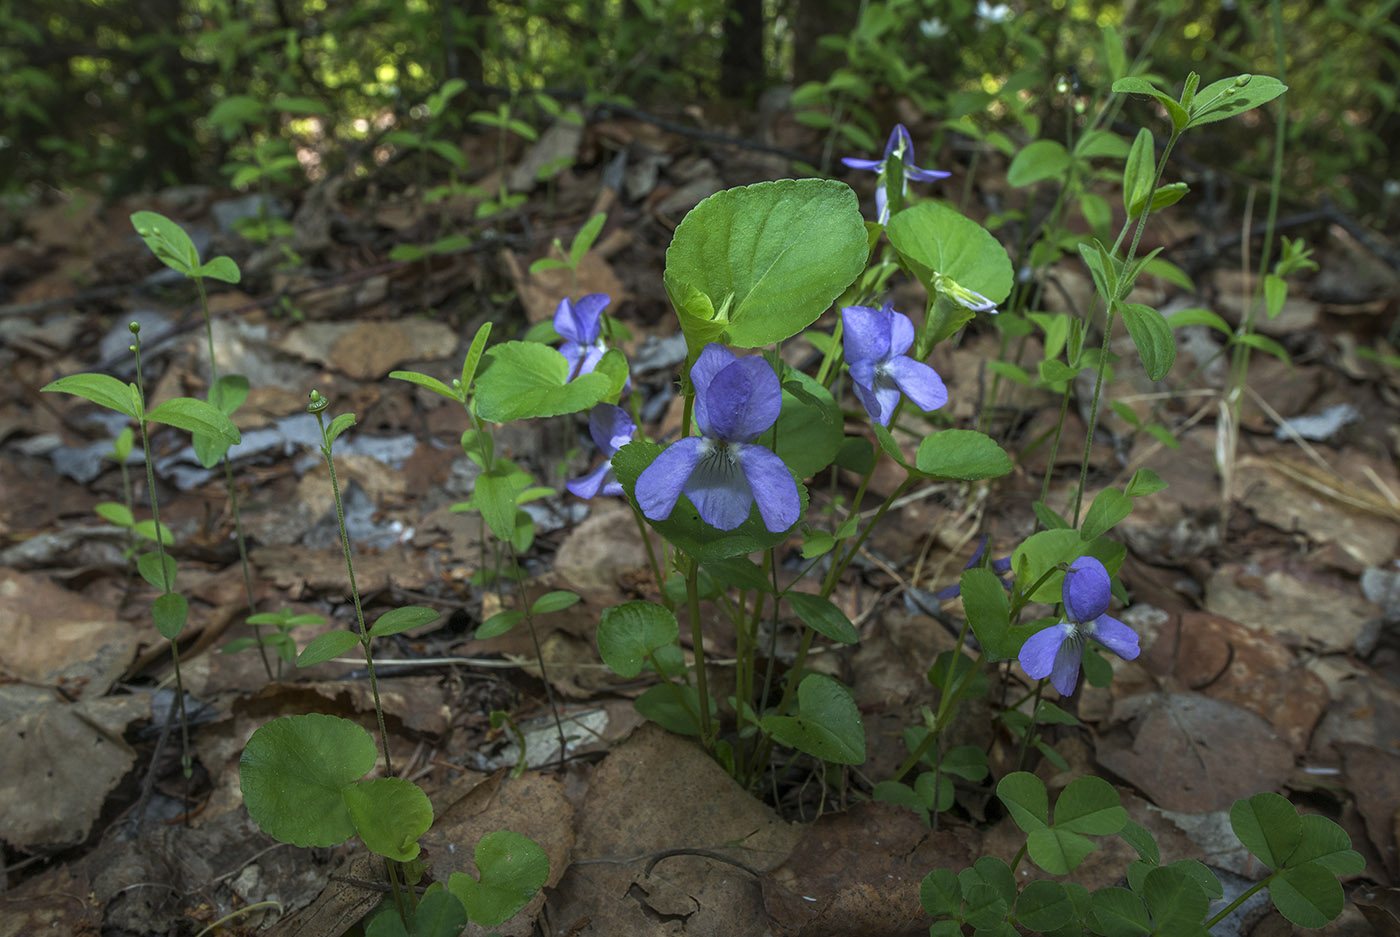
(1153, 338)
(934, 239)
(170, 612)
(402, 619)
(102, 389)
(823, 617)
(961, 454)
(628, 633)
(827, 724)
(1038, 161)
(196, 416)
(326, 646)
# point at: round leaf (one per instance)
(962, 454)
(1038, 161)
(1090, 805)
(1268, 825)
(1309, 895)
(627, 633)
(1044, 906)
(1026, 800)
(293, 771)
(527, 379)
(513, 869)
(774, 255)
(389, 815)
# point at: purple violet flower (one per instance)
(581, 325)
(1055, 652)
(1001, 567)
(611, 429)
(723, 471)
(902, 144)
(875, 342)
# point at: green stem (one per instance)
(1108, 325)
(697, 638)
(1250, 892)
(651, 553)
(355, 595)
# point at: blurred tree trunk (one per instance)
(741, 66)
(814, 19)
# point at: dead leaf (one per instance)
(1226, 661)
(1373, 777)
(1281, 604)
(1191, 753)
(1283, 501)
(58, 902)
(61, 760)
(556, 147)
(48, 634)
(655, 794)
(540, 292)
(858, 872)
(370, 350)
(1381, 906)
(595, 554)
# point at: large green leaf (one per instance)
(293, 771)
(102, 389)
(768, 259)
(827, 723)
(513, 868)
(1230, 96)
(527, 379)
(389, 814)
(1307, 895)
(989, 614)
(934, 239)
(684, 528)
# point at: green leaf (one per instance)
(338, 426)
(555, 601)
(1044, 551)
(1026, 800)
(1174, 899)
(1228, 97)
(965, 673)
(823, 617)
(326, 646)
(1168, 194)
(962, 454)
(513, 869)
(147, 529)
(1058, 851)
(1102, 267)
(1266, 344)
(402, 619)
(1268, 825)
(933, 239)
(1178, 114)
(1038, 161)
(389, 815)
(102, 389)
(170, 612)
(1110, 506)
(527, 379)
(827, 724)
(167, 240)
(474, 353)
(684, 528)
(427, 381)
(495, 497)
(158, 569)
(1326, 844)
(935, 791)
(498, 624)
(1089, 804)
(965, 761)
(809, 431)
(989, 613)
(1152, 336)
(739, 572)
(940, 893)
(659, 704)
(585, 238)
(901, 795)
(1117, 912)
(220, 268)
(1043, 906)
(1144, 482)
(114, 513)
(1308, 895)
(1138, 171)
(774, 254)
(628, 633)
(1141, 840)
(293, 771)
(228, 393)
(196, 416)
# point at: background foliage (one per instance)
(129, 94)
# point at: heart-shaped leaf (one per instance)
(389, 815)
(827, 724)
(628, 633)
(527, 379)
(512, 867)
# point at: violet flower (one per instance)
(611, 429)
(902, 144)
(723, 471)
(1056, 651)
(1001, 567)
(581, 325)
(875, 342)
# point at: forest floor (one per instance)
(1267, 600)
